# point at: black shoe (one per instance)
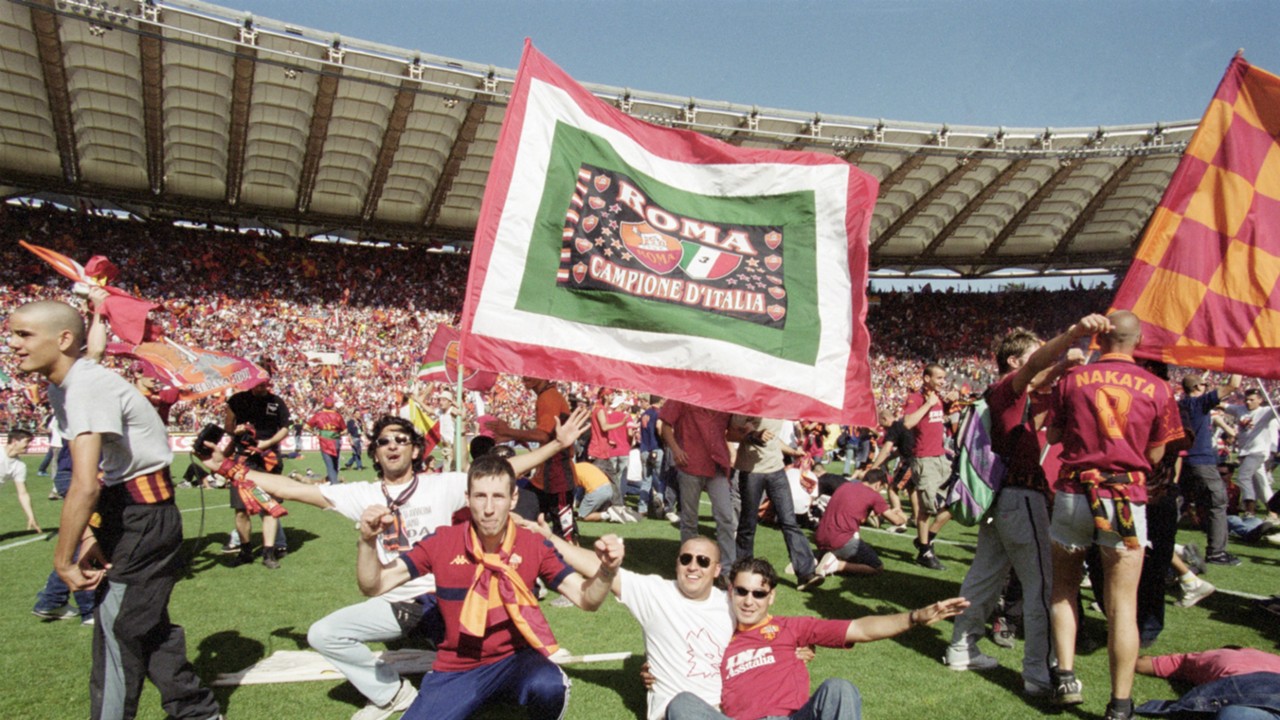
(927, 559)
(1223, 558)
(244, 557)
(270, 559)
(1114, 713)
(1255, 535)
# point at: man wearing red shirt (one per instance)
(925, 416)
(838, 531)
(553, 481)
(697, 439)
(1113, 419)
(497, 642)
(329, 426)
(1017, 535)
(761, 674)
(609, 448)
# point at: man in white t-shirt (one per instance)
(687, 622)
(12, 468)
(1256, 440)
(422, 503)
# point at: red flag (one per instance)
(195, 372)
(441, 363)
(619, 253)
(126, 313)
(1204, 279)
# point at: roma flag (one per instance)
(441, 363)
(615, 252)
(1204, 278)
(126, 313)
(194, 371)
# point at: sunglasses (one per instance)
(386, 440)
(757, 594)
(688, 558)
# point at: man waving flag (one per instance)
(619, 253)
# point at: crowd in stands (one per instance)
(259, 295)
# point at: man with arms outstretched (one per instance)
(420, 503)
(496, 641)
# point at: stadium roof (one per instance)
(187, 110)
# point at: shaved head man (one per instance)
(114, 433)
(1114, 419)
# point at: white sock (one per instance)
(1189, 580)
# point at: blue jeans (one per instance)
(357, 449)
(651, 469)
(56, 593)
(835, 699)
(330, 467)
(526, 679)
(751, 486)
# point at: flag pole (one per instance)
(457, 424)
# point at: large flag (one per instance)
(1204, 278)
(126, 313)
(195, 372)
(441, 363)
(616, 252)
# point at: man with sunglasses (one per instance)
(761, 674)
(1200, 467)
(419, 503)
(497, 644)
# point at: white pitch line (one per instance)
(206, 507)
(28, 541)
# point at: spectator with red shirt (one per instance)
(923, 414)
(1113, 419)
(610, 448)
(492, 653)
(1230, 684)
(697, 439)
(761, 674)
(328, 426)
(844, 550)
(1018, 535)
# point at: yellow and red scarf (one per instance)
(497, 583)
(1118, 484)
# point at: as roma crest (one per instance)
(655, 250)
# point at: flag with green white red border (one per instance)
(616, 252)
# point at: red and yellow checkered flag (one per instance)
(1204, 278)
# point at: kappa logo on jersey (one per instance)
(703, 653)
(458, 560)
(749, 660)
(617, 238)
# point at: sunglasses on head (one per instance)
(386, 440)
(688, 558)
(757, 594)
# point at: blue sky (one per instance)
(983, 62)
(1024, 63)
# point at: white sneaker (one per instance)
(1190, 597)
(789, 569)
(969, 659)
(828, 564)
(614, 516)
(404, 697)
(673, 518)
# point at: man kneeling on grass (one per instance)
(760, 673)
(496, 641)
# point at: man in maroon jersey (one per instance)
(925, 416)
(761, 674)
(1113, 419)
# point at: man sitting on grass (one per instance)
(496, 640)
(420, 504)
(760, 673)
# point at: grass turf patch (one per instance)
(236, 616)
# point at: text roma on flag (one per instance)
(619, 253)
(1204, 280)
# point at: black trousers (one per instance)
(134, 638)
